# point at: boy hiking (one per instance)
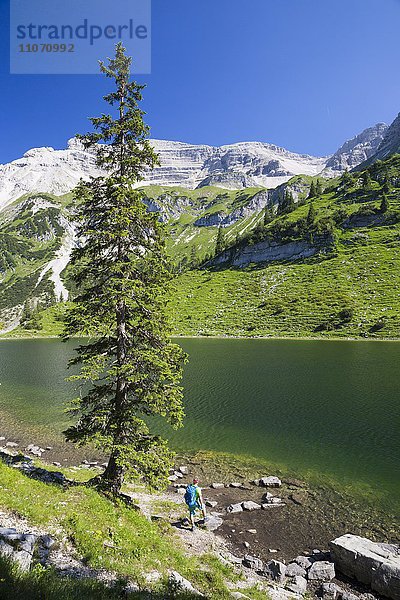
(194, 501)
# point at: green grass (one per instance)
(134, 545)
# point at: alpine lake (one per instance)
(329, 408)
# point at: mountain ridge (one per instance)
(230, 166)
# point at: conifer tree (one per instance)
(267, 216)
(311, 214)
(318, 188)
(129, 368)
(311, 193)
(220, 243)
(193, 257)
(384, 207)
(367, 181)
(289, 201)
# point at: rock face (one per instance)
(375, 565)
(233, 166)
(355, 151)
(391, 141)
(266, 251)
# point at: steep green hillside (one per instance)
(331, 271)
(348, 288)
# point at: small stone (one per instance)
(211, 503)
(183, 469)
(2, 438)
(252, 562)
(246, 544)
(180, 490)
(172, 478)
(234, 508)
(235, 484)
(298, 585)
(12, 444)
(104, 465)
(270, 482)
(253, 531)
(178, 474)
(268, 505)
(49, 448)
(56, 464)
(272, 550)
(217, 486)
(295, 570)
(250, 505)
(93, 463)
(321, 571)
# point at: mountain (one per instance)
(390, 143)
(355, 151)
(235, 166)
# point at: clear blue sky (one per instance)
(303, 74)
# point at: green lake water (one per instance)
(328, 407)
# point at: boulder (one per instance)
(177, 583)
(252, 562)
(234, 508)
(321, 570)
(5, 549)
(250, 505)
(297, 585)
(303, 561)
(23, 559)
(217, 486)
(369, 563)
(330, 591)
(11, 445)
(213, 522)
(295, 570)
(183, 469)
(276, 570)
(270, 481)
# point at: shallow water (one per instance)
(329, 407)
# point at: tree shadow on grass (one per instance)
(46, 584)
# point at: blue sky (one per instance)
(303, 74)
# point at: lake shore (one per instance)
(176, 336)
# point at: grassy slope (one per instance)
(293, 299)
(134, 546)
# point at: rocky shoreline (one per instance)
(350, 567)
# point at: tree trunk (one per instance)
(113, 476)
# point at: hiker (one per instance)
(194, 501)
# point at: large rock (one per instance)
(275, 570)
(321, 570)
(295, 570)
(235, 508)
(298, 585)
(250, 505)
(252, 562)
(179, 584)
(375, 565)
(270, 481)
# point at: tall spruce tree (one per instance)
(220, 243)
(129, 369)
(318, 188)
(311, 215)
(311, 193)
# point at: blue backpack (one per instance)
(191, 495)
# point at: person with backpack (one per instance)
(194, 501)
